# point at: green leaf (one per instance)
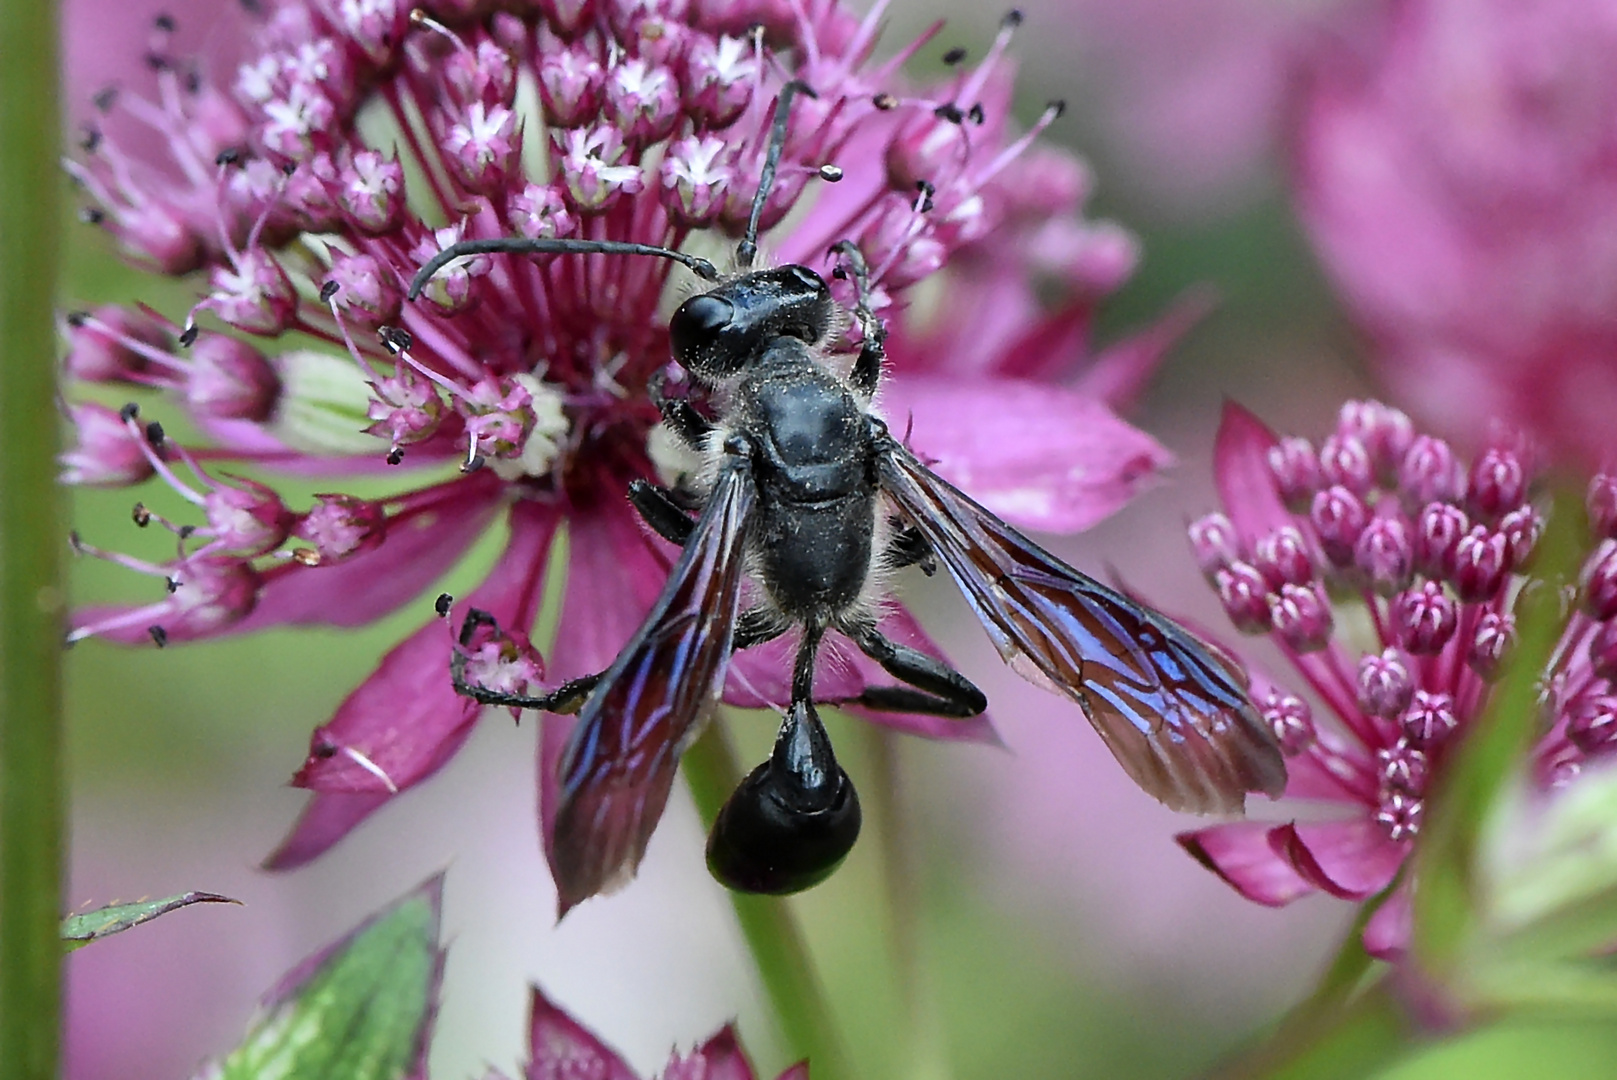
(360, 1009)
(1447, 866)
(1347, 1043)
(79, 930)
(1564, 1049)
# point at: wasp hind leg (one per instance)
(933, 687)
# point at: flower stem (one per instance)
(31, 540)
(771, 930)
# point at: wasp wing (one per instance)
(619, 762)
(1173, 711)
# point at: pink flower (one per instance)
(1431, 559)
(559, 1046)
(1454, 165)
(531, 375)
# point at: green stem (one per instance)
(771, 930)
(31, 540)
(925, 1057)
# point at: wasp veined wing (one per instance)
(1173, 711)
(620, 760)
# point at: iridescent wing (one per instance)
(1173, 711)
(619, 762)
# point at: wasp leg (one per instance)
(659, 509)
(907, 547)
(569, 697)
(935, 688)
(867, 368)
(688, 425)
(754, 627)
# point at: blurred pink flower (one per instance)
(560, 1046)
(1456, 166)
(1189, 93)
(531, 375)
(1438, 552)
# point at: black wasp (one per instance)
(808, 493)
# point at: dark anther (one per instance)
(141, 515)
(129, 412)
(884, 101)
(830, 173)
(473, 464)
(1058, 106)
(977, 115)
(323, 749)
(228, 156)
(91, 215)
(949, 111)
(75, 541)
(954, 56)
(252, 7)
(395, 339)
(90, 139)
(159, 635)
(156, 61)
(395, 455)
(926, 187)
(154, 433)
(77, 318)
(839, 272)
(186, 531)
(188, 336)
(442, 605)
(193, 80)
(1012, 18)
(164, 22)
(105, 98)
(328, 290)
(171, 584)
(288, 168)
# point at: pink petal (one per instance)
(1386, 935)
(1121, 372)
(326, 819)
(1039, 456)
(613, 577)
(800, 1071)
(1242, 855)
(417, 552)
(1351, 859)
(559, 1046)
(405, 721)
(720, 1058)
(1241, 472)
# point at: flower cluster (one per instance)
(1391, 573)
(358, 139)
(1453, 165)
(560, 1046)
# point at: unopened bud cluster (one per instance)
(1438, 552)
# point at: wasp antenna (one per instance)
(747, 250)
(522, 245)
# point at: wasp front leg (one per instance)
(569, 697)
(867, 367)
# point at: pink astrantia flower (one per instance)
(559, 1046)
(1456, 168)
(356, 141)
(1391, 573)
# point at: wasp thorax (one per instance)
(719, 333)
(793, 820)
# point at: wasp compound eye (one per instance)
(792, 821)
(696, 326)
